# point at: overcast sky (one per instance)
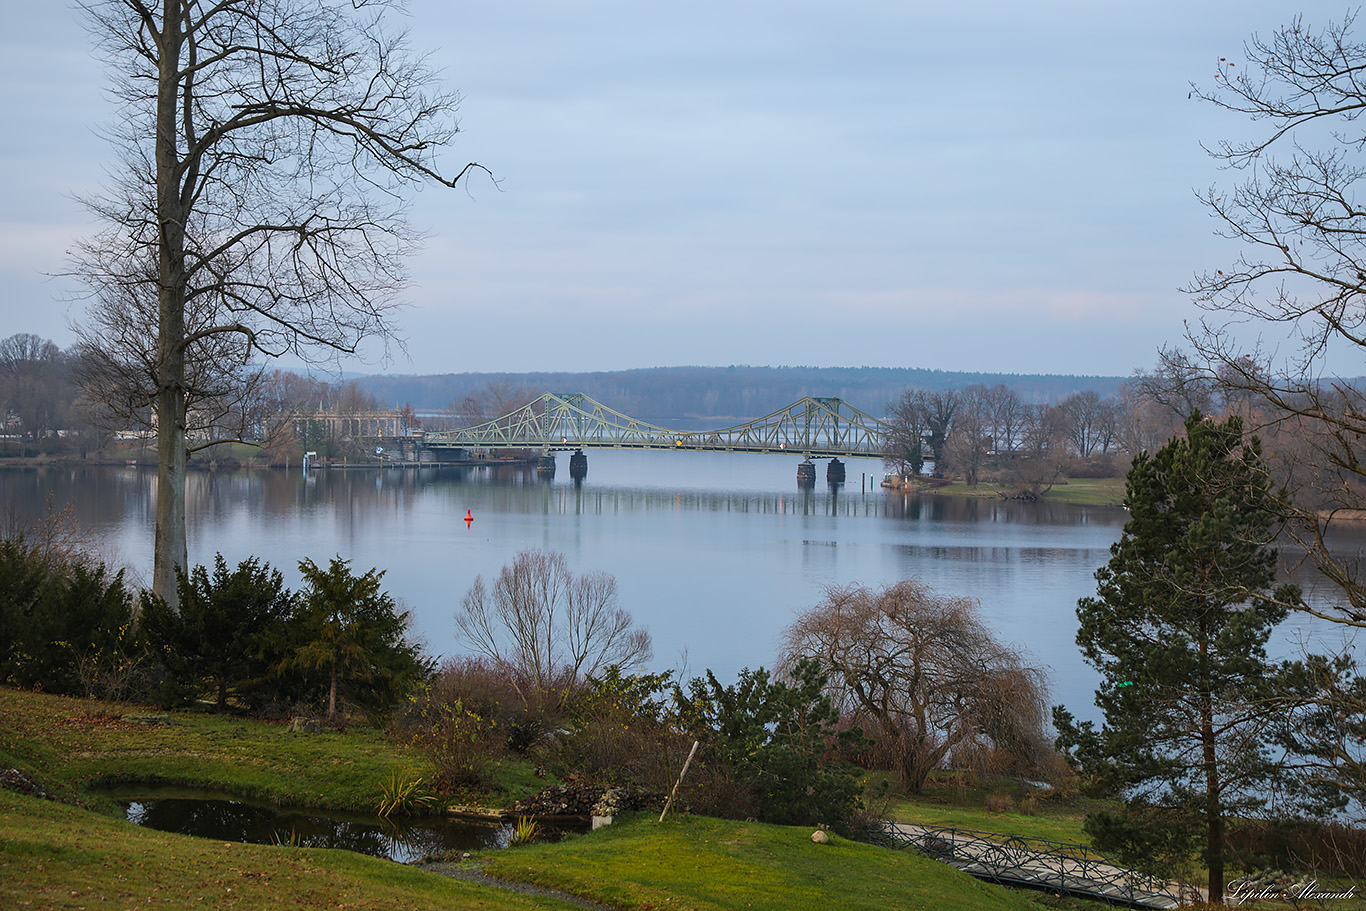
(995, 186)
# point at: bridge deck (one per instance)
(1056, 866)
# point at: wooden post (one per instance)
(668, 803)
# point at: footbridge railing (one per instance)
(1037, 862)
(811, 427)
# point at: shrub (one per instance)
(61, 620)
(779, 740)
(1324, 847)
(999, 803)
(620, 732)
(461, 743)
(525, 832)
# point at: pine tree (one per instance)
(353, 631)
(217, 639)
(1178, 630)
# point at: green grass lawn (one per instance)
(1055, 824)
(76, 747)
(57, 856)
(947, 803)
(707, 864)
(74, 750)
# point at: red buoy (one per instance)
(469, 516)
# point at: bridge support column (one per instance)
(834, 472)
(578, 465)
(545, 466)
(806, 474)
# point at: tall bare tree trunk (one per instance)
(170, 522)
(170, 549)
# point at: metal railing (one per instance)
(1053, 865)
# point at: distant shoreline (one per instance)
(1080, 491)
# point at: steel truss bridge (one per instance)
(811, 428)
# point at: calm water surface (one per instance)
(714, 552)
(230, 819)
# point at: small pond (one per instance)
(230, 819)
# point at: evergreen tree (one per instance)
(1178, 631)
(217, 639)
(353, 631)
(63, 622)
(780, 740)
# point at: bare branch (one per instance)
(266, 149)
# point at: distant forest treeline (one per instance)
(730, 392)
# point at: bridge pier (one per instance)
(578, 465)
(545, 466)
(834, 472)
(806, 474)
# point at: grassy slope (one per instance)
(1055, 826)
(57, 856)
(72, 750)
(945, 803)
(704, 864)
(54, 855)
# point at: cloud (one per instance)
(759, 182)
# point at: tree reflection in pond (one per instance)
(230, 820)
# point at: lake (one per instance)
(714, 552)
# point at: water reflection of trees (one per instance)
(94, 495)
(505, 489)
(110, 494)
(969, 510)
(230, 820)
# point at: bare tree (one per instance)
(1008, 416)
(904, 450)
(1180, 383)
(1297, 216)
(925, 672)
(546, 628)
(968, 445)
(940, 407)
(1085, 413)
(1041, 460)
(498, 398)
(265, 147)
(1141, 425)
(33, 383)
(118, 371)
(1107, 425)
